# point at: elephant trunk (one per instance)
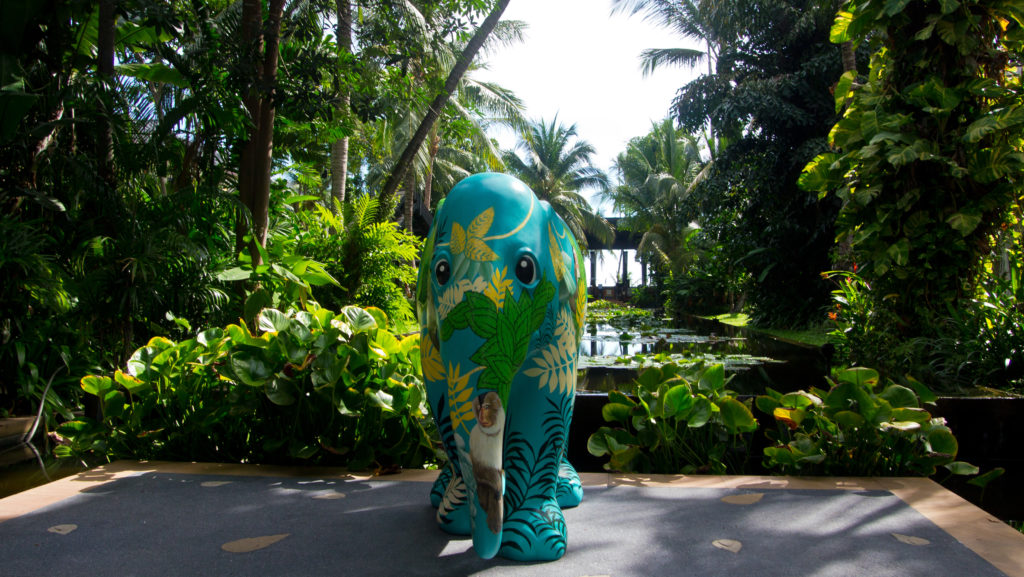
(483, 473)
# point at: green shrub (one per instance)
(677, 421)
(863, 426)
(314, 387)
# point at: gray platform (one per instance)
(174, 521)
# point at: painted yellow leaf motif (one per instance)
(471, 241)
(744, 499)
(730, 545)
(477, 249)
(556, 253)
(555, 367)
(481, 224)
(458, 238)
(581, 308)
(499, 284)
(252, 543)
(460, 405)
(433, 365)
(911, 540)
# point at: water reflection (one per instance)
(613, 354)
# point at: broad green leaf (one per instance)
(273, 321)
(905, 426)
(859, 376)
(911, 414)
(736, 416)
(615, 412)
(961, 468)
(250, 366)
(712, 379)
(359, 319)
(893, 7)
(597, 443)
(615, 396)
(941, 440)
(842, 94)
(848, 419)
(923, 392)
(964, 223)
(789, 417)
(799, 400)
(234, 274)
(767, 404)
(622, 459)
(699, 414)
(678, 400)
(113, 404)
(130, 383)
(840, 31)
(209, 336)
(984, 479)
(280, 391)
(97, 385)
(899, 396)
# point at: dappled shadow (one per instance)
(179, 524)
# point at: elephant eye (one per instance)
(526, 269)
(442, 272)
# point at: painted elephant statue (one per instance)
(501, 298)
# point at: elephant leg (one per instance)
(535, 533)
(441, 485)
(453, 509)
(569, 491)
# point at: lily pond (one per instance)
(618, 343)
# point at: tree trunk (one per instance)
(428, 185)
(386, 206)
(410, 199)
(339, 148)
(262, 40)
(105, 69)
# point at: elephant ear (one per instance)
(560, 248)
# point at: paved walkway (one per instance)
(179, 519)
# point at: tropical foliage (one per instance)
(310, 386)
(557, 165)
(164, 167)
(928, 161)
(864, 425)
(675, 420)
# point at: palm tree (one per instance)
(702, 20)
(657, 172)
(558, 167)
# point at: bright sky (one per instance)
(583, 64)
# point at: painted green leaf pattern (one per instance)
(506, 331)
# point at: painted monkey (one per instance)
(485, 442)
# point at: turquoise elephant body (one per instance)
(501, 299)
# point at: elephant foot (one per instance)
(569, 491)
(534, 534)
(453, 510)
(441, 485)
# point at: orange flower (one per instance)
(832, 316)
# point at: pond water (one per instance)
(24, 466)
(613, 353)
